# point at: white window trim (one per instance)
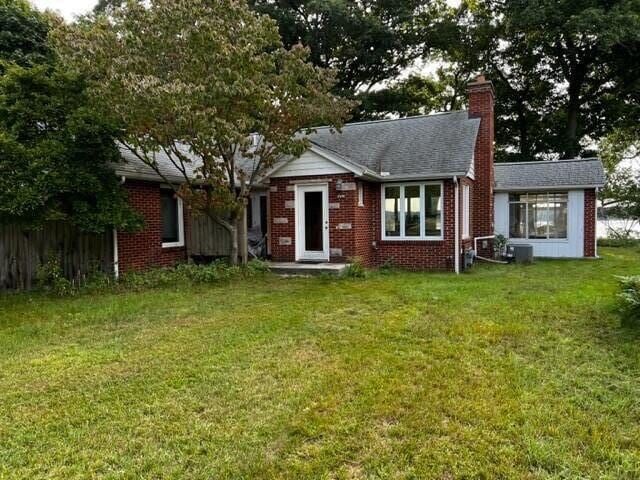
(180, 242)
(360, 194)
(422, 237)
(466, 202)
(526, 220)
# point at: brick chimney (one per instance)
(481, 100)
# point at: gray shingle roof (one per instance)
(432, 145)
(133, 167)
(563, 173)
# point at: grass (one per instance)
(506, 372)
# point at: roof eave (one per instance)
(546, 187)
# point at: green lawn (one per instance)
(506, 372)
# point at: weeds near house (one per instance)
(630, 298)
(52, 280)
(355, 269)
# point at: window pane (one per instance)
(169, 208)
(433, 210)
(412, 211)
(538, 217)
(392, 211)
(558, 220)
(517, 220)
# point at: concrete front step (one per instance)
(293, 268)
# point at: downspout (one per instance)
(456, 214)
(116, 266)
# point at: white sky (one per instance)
(67, 8)
(70, 8)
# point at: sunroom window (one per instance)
(412, 211)
(539, 215)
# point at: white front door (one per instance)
(312, 222)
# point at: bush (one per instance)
(630, 297)
(355, 269)
(618, 242)
(51, 277)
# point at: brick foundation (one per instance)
(143, 250)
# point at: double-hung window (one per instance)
(538, 216)
(412, 211)
(172, 219)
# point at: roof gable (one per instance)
(432, 145)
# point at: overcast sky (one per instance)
(71, 8)
(68, 8)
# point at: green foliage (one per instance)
(199, 78)
(55, 151)
(355, 269)
(191, 274)
(56, 154)
(566, 73)
(366, 42)
(23, 34)
(50, 277)
(630, 297)
(619, 242)
(499, 245)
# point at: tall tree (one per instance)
(55, 152)
(23, 34)
(210, 80)
(367, 42)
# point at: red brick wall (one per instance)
(143, 250)
(363, 240)
(481, 105)
(281, 206)
(590, 223)
(420, 254)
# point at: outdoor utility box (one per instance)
(521, 253)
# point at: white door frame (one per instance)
(301, 253)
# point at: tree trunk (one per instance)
(243, 236)
(572, 145)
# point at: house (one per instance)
(414, 192)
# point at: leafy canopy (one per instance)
(55, 151)
(194, 78)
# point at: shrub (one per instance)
(619, 242)
(630, 297)
(50, 277)
(355, 269)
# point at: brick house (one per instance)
(414, 192)
(417, 192)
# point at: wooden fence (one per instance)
(22, 252)
(208, 239)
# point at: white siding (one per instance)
(573, 246)
(309, 163)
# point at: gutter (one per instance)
(545, 187)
